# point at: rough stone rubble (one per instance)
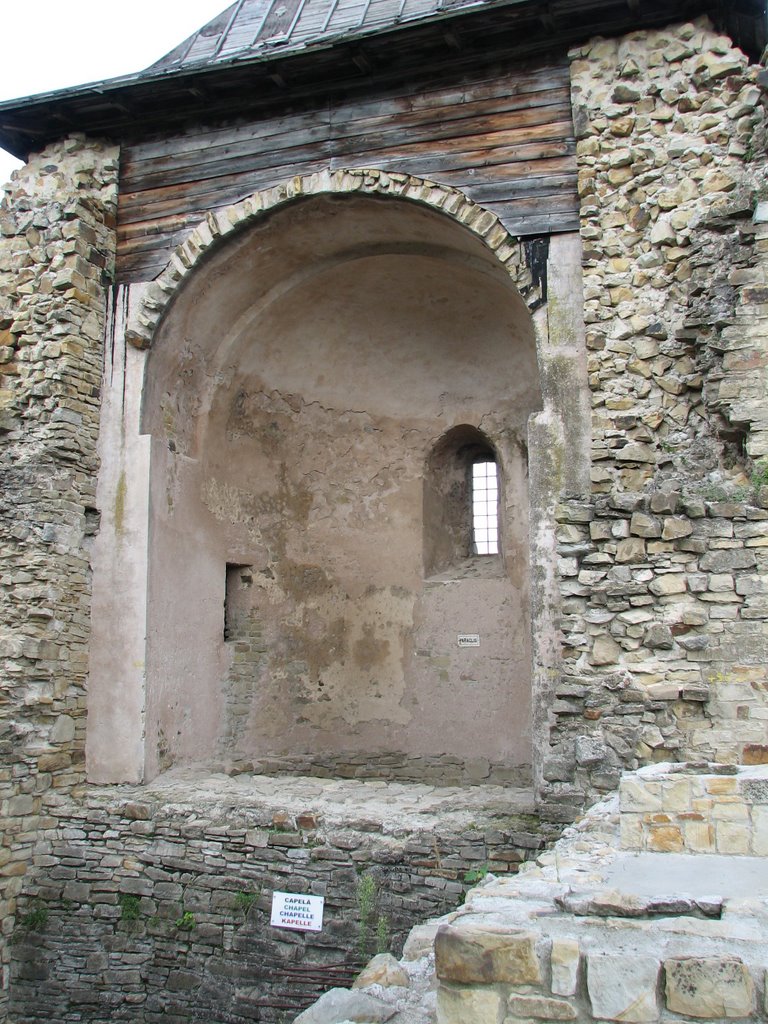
(594, 929)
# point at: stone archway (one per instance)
(288, 619)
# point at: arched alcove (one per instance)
(293, 395)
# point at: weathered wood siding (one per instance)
(507, 141)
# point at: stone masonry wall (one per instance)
(663, 564)
(156, 907)
(56, 253)
(695, 809)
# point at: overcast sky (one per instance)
(52, 44)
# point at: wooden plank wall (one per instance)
(506, 141)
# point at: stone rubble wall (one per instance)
(667, 809)
(57, 244)
(663, 564)
(576, 937)
(149, 910)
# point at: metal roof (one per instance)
(258, 53)
(249, 28)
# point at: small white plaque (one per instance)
(468, 639)
(294, 910)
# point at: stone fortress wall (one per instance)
(661, 566)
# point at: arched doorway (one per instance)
(295, 396)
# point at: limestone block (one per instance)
(460, 1005)
(709, 987)
(382, 970)
(605, 651)
(676, 795)
(631, 832)
(643, 525)
(675, 528)
(540, 1008)
(698, 836)
(669, 583)
(623, 988)
(491, 954)
(630, 550)
(759, 839)
(339, 1004)
(638, 795)
(732, 837)
(665, 839)
(420, 941)
(565, 966)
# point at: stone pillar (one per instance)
(662, 568)
(57, 240)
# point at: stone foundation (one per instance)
(596, 932)
(154, 903)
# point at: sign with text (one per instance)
(293, 910)
(468, 640)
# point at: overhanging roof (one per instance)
(258, 53)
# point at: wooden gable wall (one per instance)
(505, 139)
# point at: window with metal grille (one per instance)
(485, 507)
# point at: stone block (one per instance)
(540, 1008)
(565, 966)
(698, 836)
(732, 837)
(605, 651)
(669, 583)
(759, 838)
(665, 839)
(712, 988)
(420, 941)
(382, 970)
(623, 988)
(460, 1005)
(638, 795)
(676, 795)
(487, 955)
(339, 1004)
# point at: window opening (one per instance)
(236, 600)
(485, 507)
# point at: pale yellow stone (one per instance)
(489, 954)
(638, 795)
(565, 959)
(729, 809)
(382, 970)
(465, 1004)
(722, 785)
(665, 839)
(710, 987)
(698, 836)
(732, 837)
(540, 1008)
(676, 795)
(632, 837)
(759, 837)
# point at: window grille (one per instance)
(485, 508)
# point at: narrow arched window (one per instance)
(485, 507)
(462, 487)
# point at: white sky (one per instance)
(52, 44)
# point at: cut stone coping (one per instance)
(689, 874)
(369, 805)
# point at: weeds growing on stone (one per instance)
(36, 919)
(129, 907)
(186, 922)
(244, 900)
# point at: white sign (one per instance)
(292, 910)
(468, 639)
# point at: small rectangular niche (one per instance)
(237, 600)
